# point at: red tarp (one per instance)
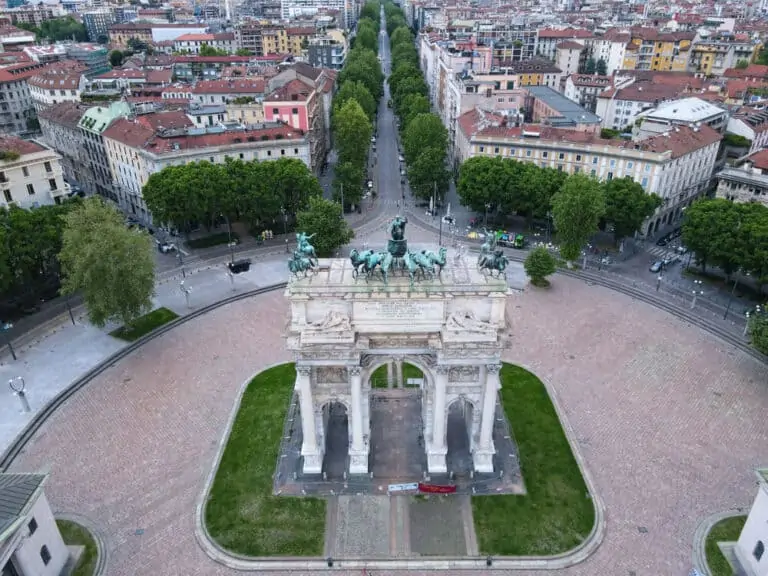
(433, 489)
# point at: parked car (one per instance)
(448, 220)
(671, 260)
(682, 250)
(373, 139)
(663, 241)
(400, 158)
(656, 266)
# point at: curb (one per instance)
(699, 555)
(249, 563)
(101, 549)
(39, 419)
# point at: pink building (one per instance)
(290, 104)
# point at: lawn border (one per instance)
(250, 563)
(101, 550)
(699, 554)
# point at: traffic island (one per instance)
(242, 515)
(79, 537)
(144, 324)
(557, 514)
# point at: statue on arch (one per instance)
(304, 247)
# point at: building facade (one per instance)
(747, 182)
(30, 174)
(750, 548)
(16, 108)
(61, 131)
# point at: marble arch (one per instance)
(452, 327)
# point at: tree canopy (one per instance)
(627, 206)
(66, 28)
(358, 92)
(256, 192)
(111, 264)
(367, 35)
(538, 265)
(325, 220)
(206, 50)
(576, 210)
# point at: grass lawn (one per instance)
(212, 240)
(76, 535)
(379, 376)
(144, 324)
(727, 530)
(556, 514)
(242, 515)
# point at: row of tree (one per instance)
(354, 112)
(258, 193)
(58, 29)
(425, 139)
(733, 237)
(508, 186)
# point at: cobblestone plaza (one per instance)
(670, 423)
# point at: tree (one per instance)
(348, 182)
(358, 92)
(243, 52)
(111, 265)
(401, 35)
(576, 210)
(411, 106)
(136, 45)
(325, 219)
(353, 131)
(206, 50)
(427, 174)
(66, 28)
(753, 234)
(293, 183)
(400, 74)
(482, 181)
(424, 131)
(758, 332)
(367, 37)
(742, 64)
(116, 58)
(415, 85)
(363, 66)
(538, 265)
(627, 206)
(590, 66)
(702, 223)
(601, 67)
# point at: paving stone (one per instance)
(436, 526)
(362, 526)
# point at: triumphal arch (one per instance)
(445, 313)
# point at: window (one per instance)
(512, 151)
(45, 555)
(592, 172)
(31, 189)
(647, 167)
(613, 163)
(269, 152)
(32, 526)
(296, 151)
(545, 154)
(528, 153)
(630, 165)
(25, 171)
(594, 159)
(576, 169)
(242, 156)
(275, 111)
(482, 148)
(759, 550)
(294, 110)
(213, 159)
(610, 176)
(561, 156)
(282, 152)
(496, 150)
(644, 183)
(559, 167)
(47, 167)
(578, 157)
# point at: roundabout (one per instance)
(668, 420)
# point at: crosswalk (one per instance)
(662, 252)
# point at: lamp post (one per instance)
(7, 326)
(69, 309)
(733, 291)
(185, 290)
(746, 325)
(658, 282)
(696, 293)
(17, 386)
(487, 207)
(230, 243)
(285, 226)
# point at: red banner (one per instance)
(434, 489)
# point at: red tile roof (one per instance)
(165, 120)
(751, 71)
(232, 86)
(129, 73)
(159, 76)
(591, 80)
(16, 72)
(293, 91)
(567, 33)
(195, 38)
(759, 159)
(11, 143)
(569, 45)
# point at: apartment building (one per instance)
(219, 91)
(93, 124)
(34, 15)
(752, 124)
(298, 39)
(192, 43)
(620, 105)
(747, 182)
(55, 84)
(713, 57)
(147, 32)
(549, 38)
(140, 147)
(570, 57)
(30, 174)
(97, 24)
(16, 108)
(327, 51)
(296, 9)
(676, 165)
(650, 49)
(584, 89)
(59, 124)
(684, 112)
(610, 48)
(300, 97)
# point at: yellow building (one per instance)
(274, 41)
(298, 39)
(648, 49)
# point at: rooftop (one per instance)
(685, 110)
(568, 109)
(12, 143)
(17, 492)
(98, 118)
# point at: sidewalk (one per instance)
(53, 361)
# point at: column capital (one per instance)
(304, 370)
(443, 370)
(355, 370)
(493, 368)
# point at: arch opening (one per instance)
(459, 418)
(336, 427)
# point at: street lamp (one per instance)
(746, 325)
(696, 293)
(285, 226)
(185, 290)
(733, 291)
(658, 282)
(487, 207)
(17, 386)
(230, 243)
(6, 327)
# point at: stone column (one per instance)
(399, 372)
(358, 452)
(312, 453)
(390, 375)
(483, 456)
(438, 449)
